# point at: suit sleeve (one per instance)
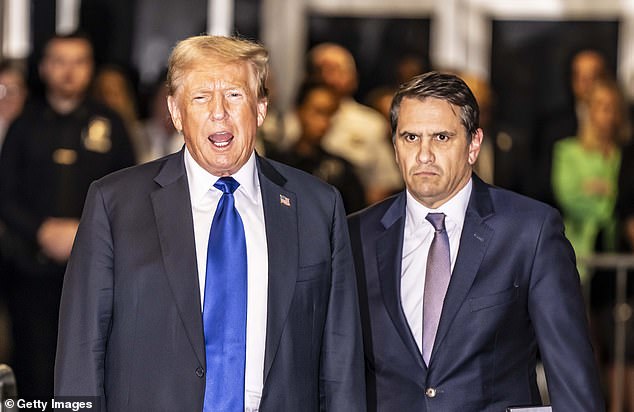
(558, 315)
(342, 382)
(86, 304)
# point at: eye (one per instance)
(200, 98)
(442, 137)
(409, 137)
(234, 94)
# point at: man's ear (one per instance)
(262, 108)
(175, 113)
(474, 146)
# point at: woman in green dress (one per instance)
(585, 182)
(585, 173)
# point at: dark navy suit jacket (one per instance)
(130, 322)
(514, 288)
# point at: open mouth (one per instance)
(221, 139)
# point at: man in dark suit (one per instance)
(453, 313)
(134, 314)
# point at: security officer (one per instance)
(51, 154)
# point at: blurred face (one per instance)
(587, 67)
(604, 111)
(67, 67)
(216, 108)
(337, 70)
(12, 95)
(432, 150)
(316, 112)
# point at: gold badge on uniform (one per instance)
(64, 157)
(96, 137)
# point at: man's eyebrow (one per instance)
(405, 132)
(445, 133)
(432, 133)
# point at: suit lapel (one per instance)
(174, 222)
(280, 216)
(474, 241)
(389, 247)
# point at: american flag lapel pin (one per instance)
(285, 201)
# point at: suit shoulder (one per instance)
(298, 180)
(509, 202)
(136, 176)
(375, 212)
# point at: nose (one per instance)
(425, 152)
(218, 111)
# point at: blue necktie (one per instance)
(438, 273)
(225, 305)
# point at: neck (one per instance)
(305, 148)
(63, 104)
(596, 140)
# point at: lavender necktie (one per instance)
(437, 276)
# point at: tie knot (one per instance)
(227, 185)
(437, 220)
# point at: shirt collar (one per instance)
(454, 209)
(201, 181)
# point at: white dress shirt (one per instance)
(248, 201)
(417, 239)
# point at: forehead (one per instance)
(588, 62)
(68, 46)
(428, 110)
(213, 72)
(334, 57)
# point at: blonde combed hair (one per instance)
(230, 49)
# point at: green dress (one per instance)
(585, 215)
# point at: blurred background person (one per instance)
(485, 164)
(502, 156)
(112, 87)
(586, 67)
(408, 66)
(585, 172)
(357, 132)
(159, 137)
(271, 135)
(380, 99)
(585, 175)
(13, 92)
(316, 106)
(52, 152)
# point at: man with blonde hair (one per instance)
(213, 279)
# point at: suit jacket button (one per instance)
(430, 392)
(200, 372)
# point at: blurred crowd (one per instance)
(91, 121)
